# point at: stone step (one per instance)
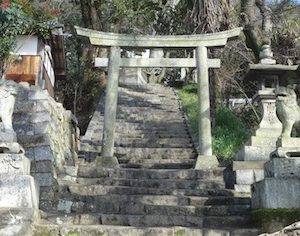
(181, 165)
(167, 200)
(145, 118)
(153, 145)
(158, 220)
(158, 183)
(143, 153)
(168, 106)
(90, 170)
(150, 126)
(157, 159)
(160, 151)
(64, 226)
(152, 158)
(135, 135)
(137, 208)
(143, 132)
(143, 129)
(125, 190)
(168, 117)
(175, 141)
(168, 110)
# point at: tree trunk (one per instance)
(252, 28)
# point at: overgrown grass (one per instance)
(229, 133)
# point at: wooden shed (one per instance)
(38, 62)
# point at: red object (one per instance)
(44, 5)
(5, 4)
(57, 11)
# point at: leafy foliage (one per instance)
(19, 17)
(229, 133)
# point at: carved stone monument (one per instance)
(281, 185)
(18, 190)
(8, 138)
(288, 111)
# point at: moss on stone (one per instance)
(45, 232)
(74, 232)
(179, 232)
(266, 219)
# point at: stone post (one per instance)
(205, 158)
(107, 156)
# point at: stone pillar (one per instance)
(107, 156)
(205, 158)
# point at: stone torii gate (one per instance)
(199, 42)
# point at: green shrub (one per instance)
(229, 133)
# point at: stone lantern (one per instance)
(251, 157)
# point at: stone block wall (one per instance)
(49, 136)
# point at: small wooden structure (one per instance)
(38, 62)
(201, 61)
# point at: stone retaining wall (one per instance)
(49, 136)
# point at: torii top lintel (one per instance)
(158, 41)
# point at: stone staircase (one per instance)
(151, 131)
(155, 191)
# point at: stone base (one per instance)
(19, 191)
(16, 221)
(276, 193)
(254, 153)
(282, 167)
(247, 173)
(265, 141)
(242, 188)
(249, 176)
(206, 162)
(288, 142)
(287, 148)
(286, 152)
(248, 165)
(11, 147)
(14, 164)
(109, 162)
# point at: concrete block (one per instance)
(14, 164)
(252, 153)
(42, 167)
(64, 206)
(206, 162)
(276, 193)
(245, 177)
(259, 174)
(242, 188)
(282, 167)
(41, 117)
(43, 153)
(264, 141)
(242, 165)
(44, 179)
(19, 191)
